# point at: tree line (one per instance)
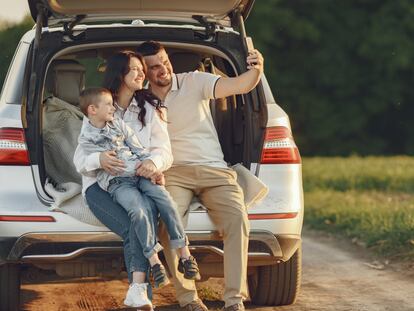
(342, 70)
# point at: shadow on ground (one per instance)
(28, 296)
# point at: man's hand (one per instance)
(255, 60)
(146, 169)
(110, 163)
(244, 83)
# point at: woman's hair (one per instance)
(117, 68)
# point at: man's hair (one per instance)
(91, 96)
(149, 48)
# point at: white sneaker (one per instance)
(137, 297)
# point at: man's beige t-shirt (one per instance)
(194, 139)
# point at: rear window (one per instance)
(93, 75)
(12, 88)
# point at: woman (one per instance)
(143, 112)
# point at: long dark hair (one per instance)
(117, 68)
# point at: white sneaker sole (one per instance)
(146, 307)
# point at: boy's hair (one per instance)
(149, 48)
(91, 96)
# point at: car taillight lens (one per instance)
(13, 150)
(279, 147)
(272, 216)
(19, 218)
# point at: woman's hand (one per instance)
(110, 163)
(158, 179)
(146, 169)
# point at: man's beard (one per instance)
(163, 82)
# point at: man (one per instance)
(199, 167)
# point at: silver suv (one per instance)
(67, 50)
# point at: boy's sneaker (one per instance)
(189, 268)
(159, 275)
(137, 297)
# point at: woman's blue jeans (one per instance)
(113, 216)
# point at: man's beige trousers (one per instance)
(219, 192)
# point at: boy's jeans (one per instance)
(113, 216)
(128, 191)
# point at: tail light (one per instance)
(13, 150)
(272, 216)
(20, 218)
(279, 147)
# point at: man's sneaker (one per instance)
(196, 305)
(236, 307)
(189, 268)
(159, 275)
(137, 297)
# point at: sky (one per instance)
(13, 10)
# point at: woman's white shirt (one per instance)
(153, 136)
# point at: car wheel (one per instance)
(10, 287)
(277, 285)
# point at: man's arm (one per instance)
(245, 82)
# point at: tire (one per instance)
(10, 287)
(278, 284)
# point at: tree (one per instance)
(342, 70)
(10, 35)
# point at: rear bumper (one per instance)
(6, 244)
(264, 247)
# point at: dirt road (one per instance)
(336, 276)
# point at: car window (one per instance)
(12, 88)
(93, 77)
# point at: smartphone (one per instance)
(250, 47)
(249, 44)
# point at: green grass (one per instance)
(209, 293)
(357, 173)
(368, 199)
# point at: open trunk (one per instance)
(240, 120)
(219, 11)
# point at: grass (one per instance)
(370, 200)
(357, 173)
(209, 293)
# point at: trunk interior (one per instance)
(54, 122)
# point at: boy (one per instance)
(103, 133)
